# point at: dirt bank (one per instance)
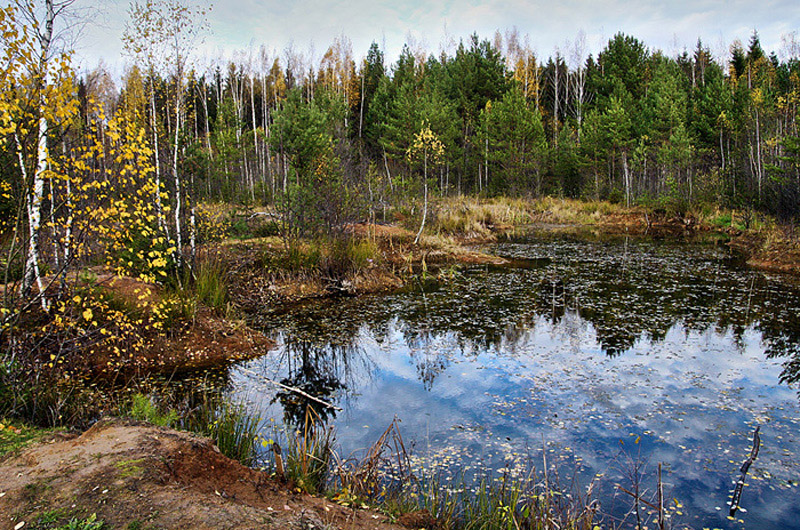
(770, 252)
(139, 476)
(207, 340)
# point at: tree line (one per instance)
(629, 125)
(90, 166)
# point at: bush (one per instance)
(332, 257)
(174, 308)
(267, 228)
(12, 268)
(142, 252)
(346, 255)
(301, 257)
(213, 222)
(239, 229)
(722, 220)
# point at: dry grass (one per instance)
(573, 211)
(472, 217)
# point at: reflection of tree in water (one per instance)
(311, 370)
(641, 289)
(322, 370)
(780, 330)
(429, 360)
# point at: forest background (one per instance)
(137, 175)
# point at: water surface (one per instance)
(598, 352)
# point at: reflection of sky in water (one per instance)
(691, 383)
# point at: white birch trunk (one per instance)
(627, 176)
(178, 197)
(159, 208)
(32, 260)
(32, 273)
(255, 136)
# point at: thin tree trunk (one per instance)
(34, 218)
(32, 273)
(759, 165)
(388, 175)
(361, 109)
(627, 177)
(255, 136)
(159, 208)
(178, 198)
(486, 161)
(68, 228)
(56, 249)
(425, 200)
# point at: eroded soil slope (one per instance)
(151, 477)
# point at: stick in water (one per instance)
(737, 493)
(291, 389)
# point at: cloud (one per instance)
(670, 26)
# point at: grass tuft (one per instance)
(309, 453)
(210, 284)
(142, 408)
(233, 429)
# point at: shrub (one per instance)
(11, 268)
(142, 252)
(174, 308)
(332, 257)
(345, 255)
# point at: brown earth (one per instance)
(771, 254)
(643, 223)
(207, 341)
(132, 474)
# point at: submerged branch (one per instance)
(292, 389)
(737, 493)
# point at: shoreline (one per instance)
(213, 338)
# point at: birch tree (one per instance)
(426, 149)
(36, 95)
(169, 29)
(580, 95)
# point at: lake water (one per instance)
(597, 351)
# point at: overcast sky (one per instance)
(670, 25)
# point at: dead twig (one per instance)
(291, 389)
(737, 493)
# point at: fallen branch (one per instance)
(737, 493)
(291, 389)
